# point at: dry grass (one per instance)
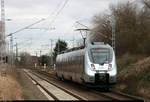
(144, 92)
(135, 78)
(135, 70)
(128, 60)
(10, 89)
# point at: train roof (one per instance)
(102, 44)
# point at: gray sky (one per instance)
(25, 12)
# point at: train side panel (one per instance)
(71, 65)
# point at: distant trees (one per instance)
(132, 28)
(44, 59)
(59, 47)
(25, 59)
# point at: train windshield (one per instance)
(101, 55)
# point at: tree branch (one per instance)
(146, 3)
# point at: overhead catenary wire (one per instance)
(59, 11)
(55, 14)
(26, 27)
(43, 19)
(57, 7)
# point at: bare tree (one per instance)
(132, 28)
(25, 59)
(146, 3)
(102, 29)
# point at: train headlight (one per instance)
(110, 67)
(93, 67)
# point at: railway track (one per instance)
(54, 91)
(112, 95)
(117, 96)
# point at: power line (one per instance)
(82, 24)
(56, 9)
(26, 27)
(53, 20)
(57, 12)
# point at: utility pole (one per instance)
(36, 54)
(58, 46)
(40, 57)
(113, 33)
(16, 54)
(11, 49)
(51, 51)
(73, 42)
(40, 52)
(16, 51)
(2, 35)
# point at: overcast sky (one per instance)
(26, 12)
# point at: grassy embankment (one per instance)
(134, 75)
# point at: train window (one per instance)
(101, 56)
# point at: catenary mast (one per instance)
(2, 34)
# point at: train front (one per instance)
(100, 65)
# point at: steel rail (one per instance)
(62, 88)
(53, 96)
(130, 97)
